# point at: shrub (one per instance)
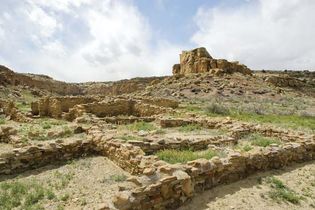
(217, 108)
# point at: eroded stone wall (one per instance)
(34, 156)
(55, 106)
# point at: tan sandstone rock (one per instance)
(200, 61)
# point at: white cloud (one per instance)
(83, 40)
(269, 34)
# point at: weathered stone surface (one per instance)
(200, 61)
(55, 106)
(284, 81)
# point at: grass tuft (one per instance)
(281, 192)
(189, 128)
(118, 178)
(2, 121)
(183, 156)
(23, 195)
(138, 126)
(261, 141)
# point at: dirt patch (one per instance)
(80, 184)
(253, 193)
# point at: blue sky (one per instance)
(102, 40)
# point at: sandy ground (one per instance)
(86, 182)
(250, 193)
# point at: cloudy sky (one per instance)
(101, 40)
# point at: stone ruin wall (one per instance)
(162, 185)
(70, 108)
(55, 106)
(34, 156)
(166, 186)
(200, 61)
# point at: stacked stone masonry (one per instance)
(70, 108)
(162, 185)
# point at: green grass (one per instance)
(65, 197)
(216, 108)
(189, 128)
(118, 178)
(138, 126)
(23, 195)
(247, 148)
(23, 107)
(280, 192)
(40, 131)
(193, 108)
(261, 141)
(182, 156)
(293, 121)
(63, 179)
(2, 121)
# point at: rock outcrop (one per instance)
(42, 82)
(285, 81)
(200, 61)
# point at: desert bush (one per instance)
(217, 108)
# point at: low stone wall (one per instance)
(116, 107)
(166, 186)
(127, 156)
(35, 156)
(239, 129)
(55, 106)
(126, 120)
(152, 146)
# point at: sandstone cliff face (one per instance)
(8, 77)
(200, 61)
